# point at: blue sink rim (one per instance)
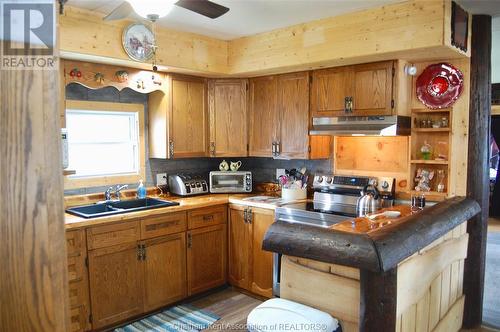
(161, 203)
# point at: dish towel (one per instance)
(179, 318)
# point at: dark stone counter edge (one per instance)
(380, 251)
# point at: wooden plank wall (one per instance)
(430, 297)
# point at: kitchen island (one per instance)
(403, 274)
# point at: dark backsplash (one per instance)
(263, 169)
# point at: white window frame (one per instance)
(74, 182)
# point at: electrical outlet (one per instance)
(161, 179)
(279, 172)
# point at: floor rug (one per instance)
(179, 318)
(491, 303)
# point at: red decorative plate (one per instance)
(439, 85)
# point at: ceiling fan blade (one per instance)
(203, 7)
(120, 12)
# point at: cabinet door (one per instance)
(228, 118)
(116, 277)
(164, 270)
(293, 103)
(372, 94)
(206, 258)
(239, 248)
(329, 89)
(264, 116)
(262, 261)
(188, 118)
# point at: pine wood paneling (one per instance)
(263, 116)
(240, 240)
(262, 261)
(228, 117)
(164, 271)
(116, 284)
(206, 258)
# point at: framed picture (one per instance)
(459, 27)
(138, 41)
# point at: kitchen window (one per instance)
(105, 143)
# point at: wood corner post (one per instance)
(477, 171)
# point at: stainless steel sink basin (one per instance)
(116, 207)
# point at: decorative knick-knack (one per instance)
(425, 150)
(440, 177)
(99, 78)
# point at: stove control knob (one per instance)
(385, 184)
(318, 179)
(328, 180)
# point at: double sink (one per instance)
(116, 207)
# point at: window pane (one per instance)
(102, 142)
(89, 126)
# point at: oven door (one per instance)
(230, 182)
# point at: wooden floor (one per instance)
(231, 305)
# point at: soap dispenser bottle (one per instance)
(141, 190)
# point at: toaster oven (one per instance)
(230, 182)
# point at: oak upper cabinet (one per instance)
(293, 105)
(227, 102)
(373, 86)
(279, 119)
(330, 90)
(359, 90)
(164, 270)
(264, 116)
(116, 289)
(240, 247)
(250, 267)
(207, 248)
(178, 118)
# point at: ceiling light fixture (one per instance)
(152, 9)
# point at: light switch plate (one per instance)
(161, 179)
(279, 172)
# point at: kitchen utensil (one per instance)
(369, 201)
(387, 214)
(235, 165)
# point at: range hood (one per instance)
(393, 125)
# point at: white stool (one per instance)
(280, 315)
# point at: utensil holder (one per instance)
(293, 194)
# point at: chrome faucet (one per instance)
(107, 194)
(119, 189)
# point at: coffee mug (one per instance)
(235, 165)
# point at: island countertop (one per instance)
(374, 246)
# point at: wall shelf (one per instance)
(431, 130)
(429, 162)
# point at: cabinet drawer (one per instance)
(78, 319)
(76, 268)
(110, 235)
(75, 242)
(78, 293)
(207, 216)
(163, 225)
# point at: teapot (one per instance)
(224, 166)
(369, 201)
(235, 165)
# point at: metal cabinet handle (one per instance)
(249, 216)
(208, 217)
(273, 149)
(143, 252)
(278, 149)
(171, 148)
(346, 105)
(190, 240)
(245, 215)
(139, 252)
(351, 104)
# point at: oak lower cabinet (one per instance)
(116, 283)
(250, 267)
(78, 281)
(164, 270)
(207, 249)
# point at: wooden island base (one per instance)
(429, 286)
